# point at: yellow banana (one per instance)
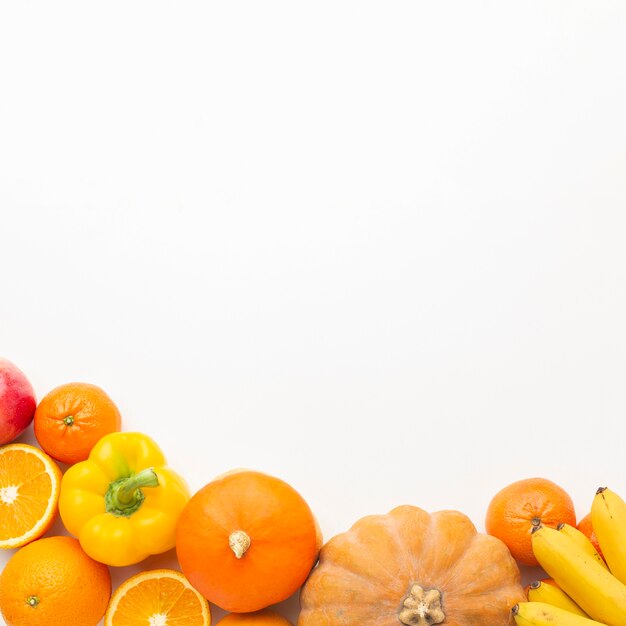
(608, 518)
(583, 541)
(542, 614)
(550, 594)
(581, 577)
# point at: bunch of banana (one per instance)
(588, 591)
(543, 591)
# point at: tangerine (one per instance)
(523, 505)
(72, 418)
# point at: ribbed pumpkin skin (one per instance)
(365, 574)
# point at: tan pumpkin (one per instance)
(411, 568)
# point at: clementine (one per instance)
(72, 418)
(52, 582)
(518, 508)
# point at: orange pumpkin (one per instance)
(266, 617)
(247, 540)
(412, 568)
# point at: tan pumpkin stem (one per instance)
(422, 608)
(239, 543)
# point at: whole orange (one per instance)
(72, 418)
(52, 582)
(518, 508)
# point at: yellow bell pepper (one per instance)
(123, 503)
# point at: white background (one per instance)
(373, 248)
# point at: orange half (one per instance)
(29, 494)
(162, 597)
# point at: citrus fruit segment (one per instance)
(72, 418)
(29, 494)
(160, 597)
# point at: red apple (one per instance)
(17, 401)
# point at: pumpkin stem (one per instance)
(422, 608)
(239, 543)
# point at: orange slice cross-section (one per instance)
(29, 494)
(162, 597)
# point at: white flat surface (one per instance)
(373, 248)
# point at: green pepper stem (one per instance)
(124, 496)
(126, 492)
